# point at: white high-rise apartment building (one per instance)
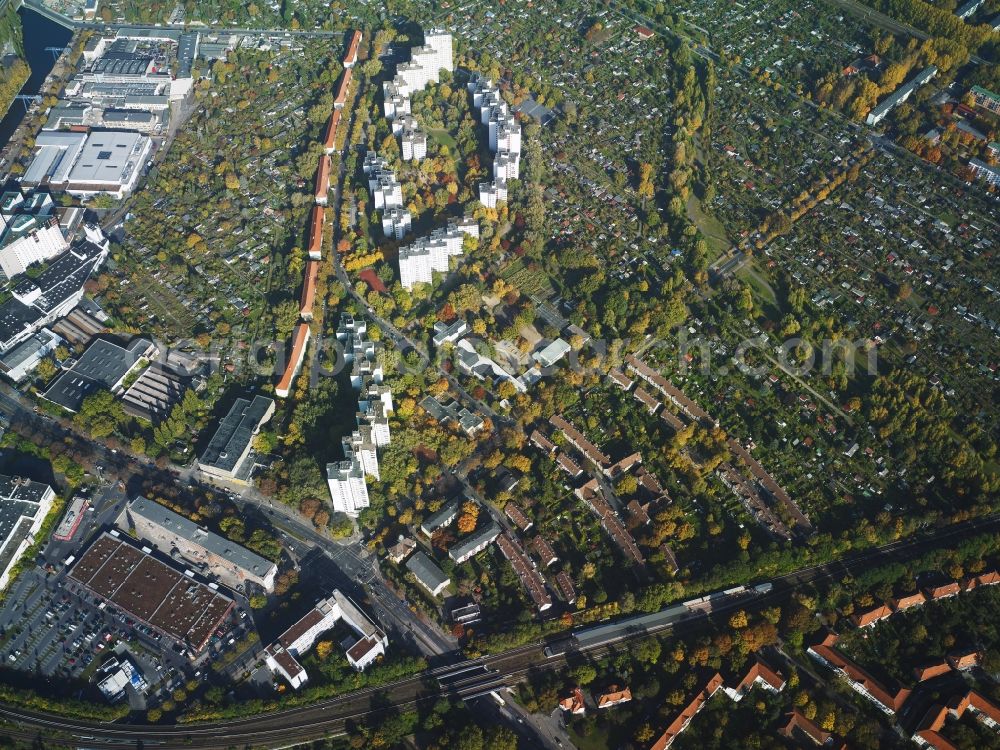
(360, 447)
(385, 189)
(490, 193)
(414, 75)
(396, 223)
(346, 479)
(373, 414)
(426, 62)
(396, 98)
(372, 165)
(348, 491)
(387, 192)
(504, 138)
(465, 225)
(419, 261)
(379, 393)
(440, 41)
(424, 66)
(413, 144)
(506, 166)
(416, 266)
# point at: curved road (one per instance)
(329, 716)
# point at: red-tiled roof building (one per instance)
(613, 697)
(316, 221)
(871, 616)
(300, 339)
(681, 721)
(759, 673)
(322, 180)
(308, 298)
(890, 701)
(351, 56)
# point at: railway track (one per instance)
(488, 673)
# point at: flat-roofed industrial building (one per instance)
(152, 591)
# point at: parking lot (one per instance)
(55, 628)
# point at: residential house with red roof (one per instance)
(573, 703)
(805, 732)
(759, 673)
(942, 591)
(906, 601)
(930, 671)
(964, 660)
(614, 696)
(871, 616)
(687, 713)
(889, 700)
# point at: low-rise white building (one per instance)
(29, 231)
(21, 361)
(282, 656)
(449, 333)
(427, 573)
(23, 507)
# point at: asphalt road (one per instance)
(300, 724)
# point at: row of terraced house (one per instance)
(317, 221)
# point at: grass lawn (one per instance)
(711, 228)
(762, 291)
(442, 136)
(596, 740)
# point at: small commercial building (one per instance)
(122, 673)
(22, 360)
(71, 519)
(105, 365)
(214, 555)
(552, 353)
(227, 455)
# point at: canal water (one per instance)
(39, 33)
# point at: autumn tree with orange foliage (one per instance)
(469, 518)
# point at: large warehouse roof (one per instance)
(151, 591)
